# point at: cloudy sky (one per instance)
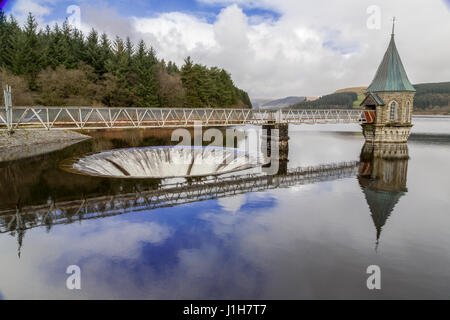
(274, 48)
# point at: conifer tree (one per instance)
(172, 68)
(129, 49)
(67, 46)
(77, 45)
(190, 81)
(93, 54)
(31, 51)
(57, 52)
(144, 65)
(118, 65)
(15, 48)
(4, 39)
(105, 54)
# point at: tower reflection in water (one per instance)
(382, 177)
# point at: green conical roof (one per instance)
(391, 75)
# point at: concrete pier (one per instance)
(277, 133)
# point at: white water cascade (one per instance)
(163, 162)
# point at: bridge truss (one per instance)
(79, 118)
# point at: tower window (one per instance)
(393, 111)
(408, 111)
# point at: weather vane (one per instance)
(393, 25)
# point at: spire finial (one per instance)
(393, 25)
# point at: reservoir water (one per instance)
(306, 241)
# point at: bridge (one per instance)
(84, 118)
(54, 213)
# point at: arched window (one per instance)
(408, 112)
(393, 111)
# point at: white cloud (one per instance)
(178, 31)
(312, 48)
(232, 204)
(21, 8)
(38, 272)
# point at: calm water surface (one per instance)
(307, 241)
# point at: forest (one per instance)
(60, 66)
(432, 96)
(342, 100)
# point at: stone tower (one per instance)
(389, 100)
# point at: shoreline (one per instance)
(23, 143)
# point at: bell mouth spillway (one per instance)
(161, 162)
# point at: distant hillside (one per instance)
(342, 100)
(432, 97)
(277, 103)
(256, 103)
(429, 98)
(358, 90)
(284, 102)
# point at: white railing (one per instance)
(51, 118)
(301, 116)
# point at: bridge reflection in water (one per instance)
(167, 195)
(381, 173)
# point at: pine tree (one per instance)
(57, 52)
(202, 85)
(105, 54)
(77, 45)
(144, 65)
(67, 46)
(129, 49)
(119, 67)
(189, 79)
(172, 68)
(118, 62)
(15, 48)
(226, 89)
(17, 54)
(93, 54)
(32, 54)
(4, 39)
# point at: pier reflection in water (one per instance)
(308, 232)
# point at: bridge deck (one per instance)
(78, 118)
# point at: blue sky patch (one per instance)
(145, 8)
(3, 4)
(448, 3)
(340, 48)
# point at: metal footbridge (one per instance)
(84, 118)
